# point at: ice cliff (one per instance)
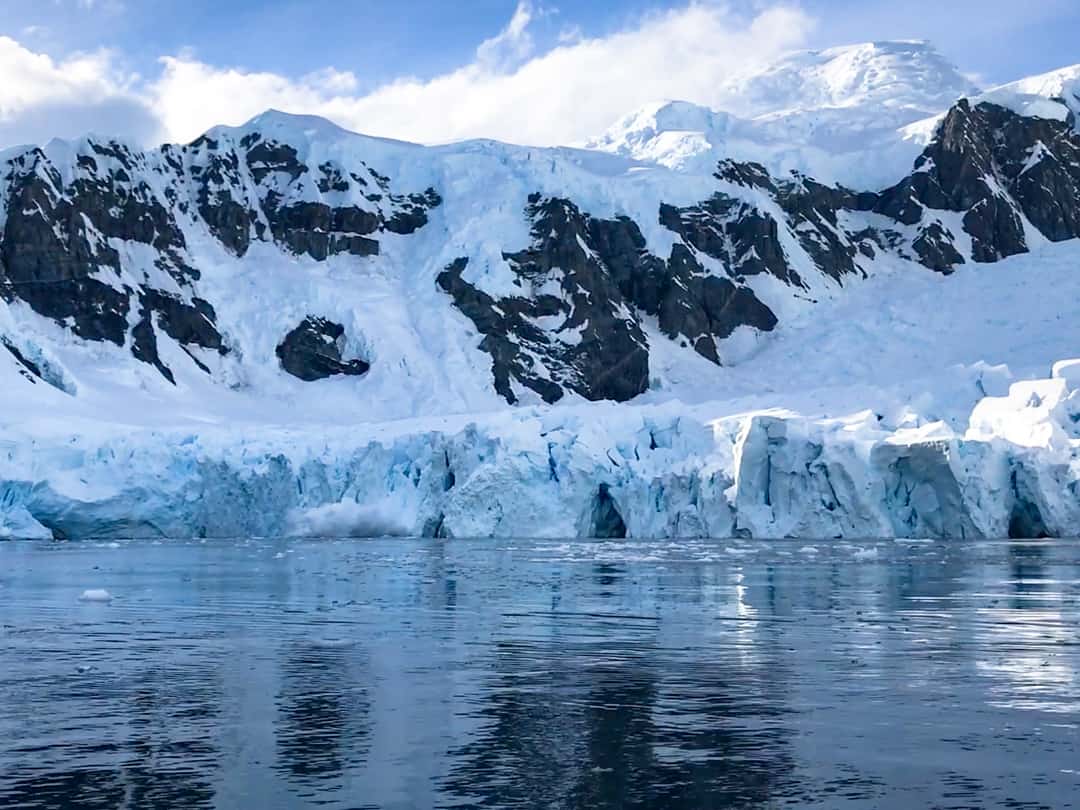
(605, 471)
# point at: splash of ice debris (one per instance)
(95, 595)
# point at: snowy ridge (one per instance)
(1030, 96)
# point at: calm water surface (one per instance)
(524, 674)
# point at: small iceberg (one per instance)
(95, 595)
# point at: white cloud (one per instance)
(565, 94)
(510, 90)
(42, 98)
(512, 45)
(190, 97)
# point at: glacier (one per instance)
(602, 471)
(897, 365)
(942, 444)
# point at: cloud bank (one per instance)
(511, 90)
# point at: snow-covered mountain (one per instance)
(286, 326)
(841, 115)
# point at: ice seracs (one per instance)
(1062, 87)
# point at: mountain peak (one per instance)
(909, 74)
(298, 128)
(832, 113)
(274, 119)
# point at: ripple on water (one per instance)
(401, 674)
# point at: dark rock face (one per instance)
(812, 211)
(303, 211)
(59, 245)
(569, 327)
(743, 238)
(987, 171)
(585, 283)
(216, 173)
(55, 252)
(321, 231)
(312, 351)
(995, 167)
(935, 248)
(688, 301)
(53, 260)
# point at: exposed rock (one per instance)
(570, 328)
(321, 231)
(812, 211)
(935, 248)
(144, 345)
(55, 261)
(745, 239)
(585, 284)
(411, 212)
(312, 351)
(996, 167)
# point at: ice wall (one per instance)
(602, 470)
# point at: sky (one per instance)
(526, 71)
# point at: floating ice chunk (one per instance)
(809, 550)
(95, 595)
(865, 554)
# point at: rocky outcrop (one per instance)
(320, 231)
(995, 168)
(313, 351)
(687, 301)
(259, 188)
(59, 255)
(99, 245)
(569, 329)
(740, 236)
(585, 285)
(988, 179)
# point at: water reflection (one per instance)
(141, 738)
(322, 713)
(525, 675)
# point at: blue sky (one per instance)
(381, 39)
(163, 67)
